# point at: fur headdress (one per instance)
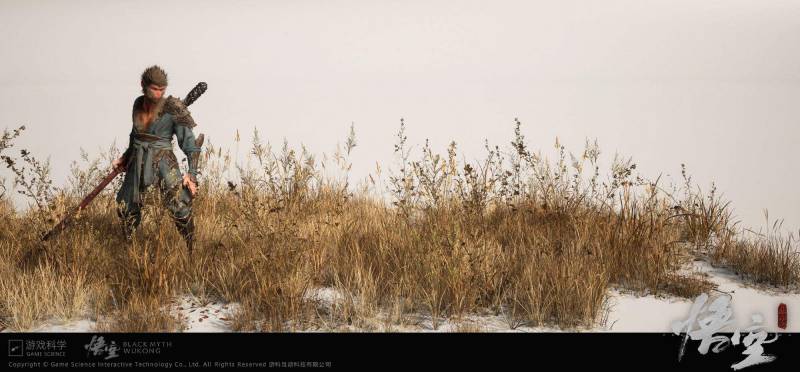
(154, 75)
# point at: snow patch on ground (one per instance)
(653, 314)
(81, 325)
(328, 298)
(200, 315)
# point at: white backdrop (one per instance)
(713, 84)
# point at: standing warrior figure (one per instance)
(149, 158)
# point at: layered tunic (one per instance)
(149, 156)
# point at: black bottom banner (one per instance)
(640, 351)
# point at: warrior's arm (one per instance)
(183, 124)
(188, 145)
(129, 150)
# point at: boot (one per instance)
(186, 229)
(129, 224)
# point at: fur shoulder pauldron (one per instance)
(179, 111)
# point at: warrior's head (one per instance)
(154, 82)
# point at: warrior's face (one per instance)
(155, 92)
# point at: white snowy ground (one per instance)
(651, 314)
(627, 313)
(203, 316)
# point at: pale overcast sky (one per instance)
(713, 84)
